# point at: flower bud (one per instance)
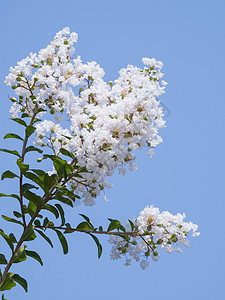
(155, 253)
(14, 87)
(35, 65)
(39, 159)
(13, 99)
(147, 253)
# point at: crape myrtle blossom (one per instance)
(99, 125)
(152, 230)
(107, 121)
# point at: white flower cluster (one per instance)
(108, 121)
(152, 229)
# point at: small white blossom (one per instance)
(152, 230)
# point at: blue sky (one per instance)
(187, 171)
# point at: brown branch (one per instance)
(133, 233)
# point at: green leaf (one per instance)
(114, 224)
(66, 192)
(9, 174)
(19, 256)
(34, 198)
(3, 260)
(50, 180)
(67, 137)
(12, 136)
(12, 196)
(84, 226)
(98, 244)
(28, 186)
(131, 225)
(31, 209)
(3, 297)
(62, 168)
(39, 173)
(30, 130)
(29, 234)
(61, 211)
(63, 199)
(25, 115)
(63, 241)
(12, 238)
(32, 148)
(20, 121)
(41, 110)
(37, 180)
(100, 228)
(23, 167)
(36, 120)
(21, 281)
(122, 228)
(7, 239)
(45, 237)
(69, 229)
(52, 209)
(11, 220)
(14, 152)
(88, 220)
(66, 153)
(34, 255)
(17, 214)
(8, 282)
(45, 222)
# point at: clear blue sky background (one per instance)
(187, 172)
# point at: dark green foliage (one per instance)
(12, 136)
(8, 174)
(20, 280)
(14, 152)
(19, 256)
(63, 241)
(99, 246)
(34, 255)
(32, 148)
(8, 283)
(3, 260)
(44, 237)
(114, 224)
(20, 121)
